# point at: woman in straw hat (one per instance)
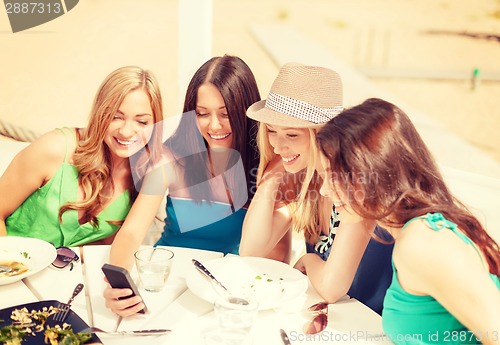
(301, 100)
(74, 186)
(446, 284)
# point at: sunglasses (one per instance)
(320, 319)
(65, 256)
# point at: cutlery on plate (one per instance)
(142, 332)
(64, 308)
(217, 284)
(284, 337)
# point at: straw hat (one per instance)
(301, 96)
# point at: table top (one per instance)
(177, 308)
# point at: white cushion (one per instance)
(8, 150)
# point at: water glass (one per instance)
(153, 265)
(236, 317)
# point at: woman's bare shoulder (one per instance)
(420, 247)
(39, 160)
(52, 146)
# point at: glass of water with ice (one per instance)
(154, 265)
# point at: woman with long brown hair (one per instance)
(445, 286)
(210, 162)
(214, 157)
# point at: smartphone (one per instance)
(119, 278)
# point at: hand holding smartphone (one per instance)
(119, 278)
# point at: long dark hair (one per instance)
(382, 163)
(238, 87)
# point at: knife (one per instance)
(139, 332)
(145, 332)
(284, 337)
(207, 273)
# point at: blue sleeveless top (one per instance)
(415, 319)
(374, 272)
(202, 225)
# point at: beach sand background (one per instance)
(423, 51)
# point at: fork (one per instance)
(139, 332)
(63, 308)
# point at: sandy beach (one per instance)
(423, 52)
(395, 36)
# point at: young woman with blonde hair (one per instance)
(302, 99)
(74, 186)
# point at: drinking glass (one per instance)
(236, 317)
(153, 265)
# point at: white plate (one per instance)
(269, 282)
(34, 253)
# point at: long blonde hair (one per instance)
(92, 156)
(306, 206)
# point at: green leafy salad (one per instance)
(26, 324)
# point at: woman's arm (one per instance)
(139, 219)
(267, 220)
(134, 229)
(440, 264)
(127, 241)
(30, 169)
(333, 278)
(129, 238)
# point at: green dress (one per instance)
(413, 319)
(38, 215)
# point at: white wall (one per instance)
(480, 193)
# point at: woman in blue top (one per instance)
(213, 158)
(210, 162)
(445, 286)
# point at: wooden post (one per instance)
(195, 40)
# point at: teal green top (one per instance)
(413, 319)
(38, 215)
